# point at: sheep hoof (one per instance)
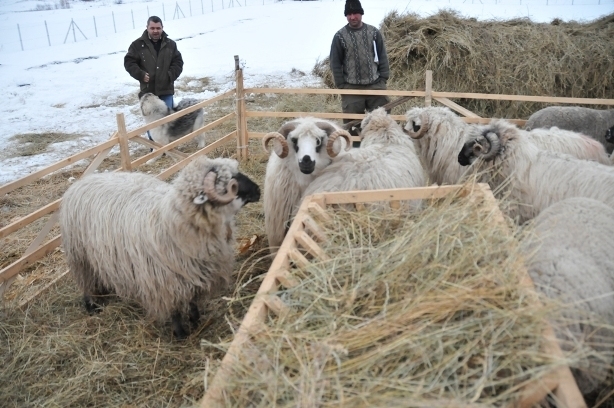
(90, 305)
(194, 315)
(179, 331)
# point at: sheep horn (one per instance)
(279, 138)
(331, 141)
(423, 128)
(495, 144)
(209, 189)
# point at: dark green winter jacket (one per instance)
(163, 67)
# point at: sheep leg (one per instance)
(178, 330)
(194, 314)
(95, 300)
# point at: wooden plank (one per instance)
(333, 115)
(260, 135)
(124, 150)
(310, 245)
(400, 194)
(328, 91)
(178, 166)
(140, 130)
(286, 279)
(150, 143)
(428, 97)
(14, 268)
(51, 222)
(457, 107)
(523, 98)
(314, 228)
(8, 187)
(276, 305)
(43, 289)
(182, 140)
(241, 119)
(299, 259)
(28, 219)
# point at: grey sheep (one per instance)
(164, 245)
(590, 122)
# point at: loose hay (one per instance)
(411, 310)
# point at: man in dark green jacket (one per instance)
(155, 62)
(358, 60)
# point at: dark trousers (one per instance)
(362, 103)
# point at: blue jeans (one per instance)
(168, 100)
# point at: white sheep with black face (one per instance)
(386, 159)
(164, 245)
(303, 148)
(535, 179)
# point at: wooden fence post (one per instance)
(123, 142)
(242, 139)
(429, 88)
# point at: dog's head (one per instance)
(152, 105)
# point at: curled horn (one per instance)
(278, 138)
(409, 129)
(495, 144)
(331, 141)
(232, 189)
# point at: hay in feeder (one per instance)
(412, 310)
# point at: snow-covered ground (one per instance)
(77, 84)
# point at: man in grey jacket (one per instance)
(358, 60)
(154, 61)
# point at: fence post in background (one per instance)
(202, 7)
(163, 12)
(124, 151)
(148, 15)
(190, 4)
(114, 28)
(429, 88)
(95, 28)
(20, 41)
(212, 5)
(74, 35)
(132, 14)
(222, 4)
(47, 30)
(242, 139)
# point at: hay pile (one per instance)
(411, 310)
(517, 57)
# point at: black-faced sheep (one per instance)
(440, 134)
(591, 122)
(535, 179)
(303, 148)
(569, 257)
(162, 244)
(386, 159)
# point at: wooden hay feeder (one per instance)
(302, 247)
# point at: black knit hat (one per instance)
(353, 7)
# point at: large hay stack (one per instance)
(519, 57)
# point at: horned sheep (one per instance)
(302, 149)
(591, 122)
(386, 159)
(535, 179)
(569, 258)
(164, 245)
(440, 134)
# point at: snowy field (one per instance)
(62, 68)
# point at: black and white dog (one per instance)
(154, 108)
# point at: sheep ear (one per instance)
(200, 199)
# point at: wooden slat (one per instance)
(43, 289)
(151, 144)
(178, 166)
(328, 91)
(28, 219)
(260, 135)
(314, 228)
(334, 115)
(316, 206)
(14, 268)
(286, 279)
(523, 98)
(401, 194)
(299, 259)
(242, 140)
(140, 130)
(124, 151)
(310, 245)
(276, 305)
(8, 187)
(428, 97)
(457, 107)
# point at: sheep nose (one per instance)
(306, 165)
(306, 160)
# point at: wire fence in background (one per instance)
(127, 17)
